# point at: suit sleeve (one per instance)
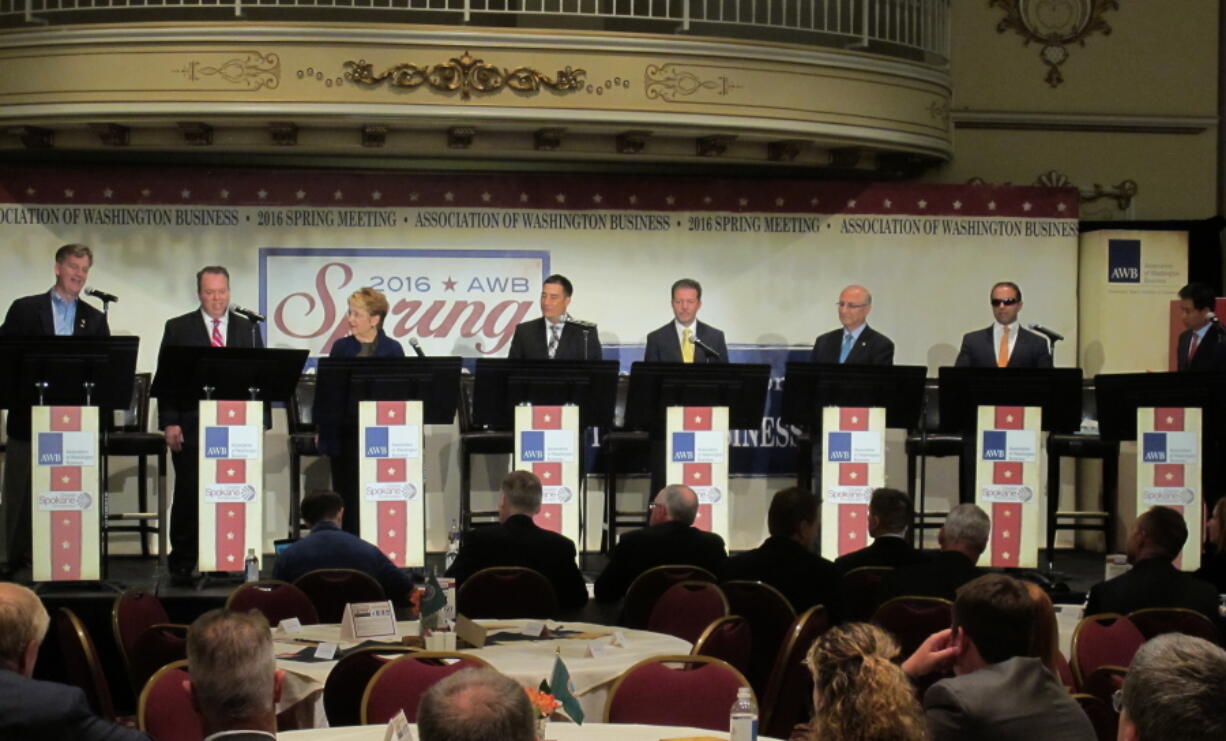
(946, 717)
(1043, 357)
(594, 351)
(814, 354)
(652, 353)
(81, 724)
(884, 354)
(612, 583)
(516, 352)
(396, 583)
(964, 355)
(721, 346)
(10, 321)
(168, 413)
(466, 563)
(572, 590)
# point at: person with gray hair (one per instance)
(475, 705)
(518, 540)
(962, 538)
(889, 517)
(669, 538)
(32, 709)
(235, 683)
(1174, 691)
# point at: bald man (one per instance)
(856, 343)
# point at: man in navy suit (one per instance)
(856, 343)
(556, 335)
(1005, 343)
(60, 311)
(1202, 344)
(682, 340)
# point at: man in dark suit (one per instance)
(517, 541)
(682, 340)
(60, 311)
(235, 684)
(963, 538)
(1156, 539)
(1005, 343)
(889, 517)
(556, 335)
(856, 343)
(32, 709)
(1202, 344)
(213, 324)
(669, 538)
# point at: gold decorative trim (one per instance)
(1055, 24)
(1123, 193)
(466, 74)
(254, 71)
(668, 82)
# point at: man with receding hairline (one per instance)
(476, 705)
(235, 683)
(855, 343)
(962, 538)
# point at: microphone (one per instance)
(581, 323)
(251, 315)
(417, 347)
(102, 296)
(709, 350)
(1050, 334)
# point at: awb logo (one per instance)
(838, 447)
(50, 449)
(1153, 447)
(532, 445)
(376, 442)
(216, 442)
(994, 444)
(683, 447)
(1124, 261)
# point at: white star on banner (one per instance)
(66, 568)
(391, 533)
(376, 195)
(1009, 418)
(413, 197)
(145, 192)
(742, 202)
(65, 479)
(546, 474)
(65, 545)
(854, 514)
(670, 200)
(957, 205)
(68, 192)
(230, 558)
(1008, 474)
(991, 205)
(231, 514)
(697, 475)
(1170, 420)
(336, 196)
(224, 194)
(67, 522)
(1169, 476)
(853, 475)
(107, 193)
(813, 201)
(698, 419)
(598, 198)
(851, 203)
(633, 199)
(706, 200)
(1026, 206)
(1008, 513)
(922, 203)
(230, 413)
(66, 419)
(887, 203)
(449, 196)
(262, 193)
(30, 191)
(391, 413)
(779, 201)
(855, 419)
(486, 197)
(300, 194)
(230, 472)
(1005, 555)
(391, 556)
(560, 198)
(391, 511)
(185, 193)
(523, 197)
(851, 536)
(1060, 207)
(391, 470)
(548, 515)
(547, 417)
(1004, 534)
(230, 536)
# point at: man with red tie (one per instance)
(1202, 344)
(211, 325)
(1005, 343)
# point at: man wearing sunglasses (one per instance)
(1005, 343)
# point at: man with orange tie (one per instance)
(685, 339)
(1005, 343)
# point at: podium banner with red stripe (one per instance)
(65, 489)
(852, 466)
(231, 483)
(1008, 475)
(697, 456)
(547, 444)
(393, 509)
(1169, 470)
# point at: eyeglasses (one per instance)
(1005, 301)
(1117, 701)
(849, 305)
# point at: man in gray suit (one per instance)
(1005, 343)
(999, 690)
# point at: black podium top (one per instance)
(501, 384)
(66, 364)
(1056, 390)
(435, 381)
(654, 387)
(1119, 395)
(808, 387)
(183, 373)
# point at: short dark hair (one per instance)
(892, 508)
(997, 614)
(321, 505)
(1008, 283)
(686, 283)
(473, 705)
(523, 490)
(789, 508)
(74, 250)
(561, 280)
(1165, 528)
(211, 270)
(1199, 294)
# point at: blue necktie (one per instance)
(848, 340)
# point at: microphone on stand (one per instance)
(581, 323)
(416, 347)
(102, 296)
(707, 348)
(1050, 334)
(251, 315)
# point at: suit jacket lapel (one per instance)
(860, 346)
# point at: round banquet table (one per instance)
(556, 732)
(525, 661)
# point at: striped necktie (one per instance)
(216, 340)
(555, 334)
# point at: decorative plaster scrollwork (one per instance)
(1122, 193)
(1055, 24)
(254, 71)
(465, 74)
(669, 82)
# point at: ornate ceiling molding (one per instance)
(466, 74)
(1055, 24)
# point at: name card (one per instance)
(470, 632)
(619, 639)
(369, 620)
(398, 729)
(441, 641)
(596, 649)
(325, 651)
(290, 626)
(533, 628)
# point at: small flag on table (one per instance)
(564, 690)
(435, 599)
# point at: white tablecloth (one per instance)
(557, 731)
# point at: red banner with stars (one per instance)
(853, 464)
(231, 484)
(1169, 467)
(66, 511)
(391, 508)
(547, 444)
(1007, 484)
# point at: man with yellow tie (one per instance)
(685, 339)
(1005, 343)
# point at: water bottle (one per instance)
(453, 544)
(743, 719)
(252, 566)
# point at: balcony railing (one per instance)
(913, 29)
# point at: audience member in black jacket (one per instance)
(889, 516)
(963, 538)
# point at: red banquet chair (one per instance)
(648, 586)
(697, 694)
(1108, 639)
(789, 691)
(1102, 716)
(862, 591)
(1104, 681)
(687, 608)
(276, 599)
(505, 593)
(81, 662)
(146, 638)
(165, 709)
(400, 684)
(770, 614)
(1154, 621)
(912, 619)
(346, 683)
(331, 589)
(729, 639)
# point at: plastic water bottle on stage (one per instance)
(252, 566)
(453, 545)
(744, 717)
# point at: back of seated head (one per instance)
(1174, 691)
(969, 525)
(23, 621)
(789, 508)
(230, 659)
(892, 510)
(1165, 531)
(680, 502)
(476, 705)
(997, 615)
(321, 505)
(523, 491)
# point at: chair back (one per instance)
(300, 412)
(912, 619)
(789, 691)
(697, 694)
(862, 591)
(132, 613)
(81, 663)
(1154, 621)
(136, 415)
(648, 586)
(1106, 639)
(399, 684)
(506, 592)
(165, 709)
(1101, 714)
(331, 589)
(730, 639)
(276, 599)
(157, 646)
(687, 608)
(1066, 672)
(346, 684)
(770, 614)
(1104, 681)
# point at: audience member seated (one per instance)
(517, 541)
(32, 709)
(476, 705)
(235, 683)
(859, 693)
(998, 691)
(1213, 564)
(670, 538)
(327, 546)
(889, 516)
(1174, 691)
(1153, 581)
(1045, 639)
(962, 539)
(786, 560)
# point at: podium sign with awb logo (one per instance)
(697, 456)
(547, 444)
(1169, 470)
(65, 490)
(853, 465)
(392, 514)
(231, 483)
(1007, 479)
